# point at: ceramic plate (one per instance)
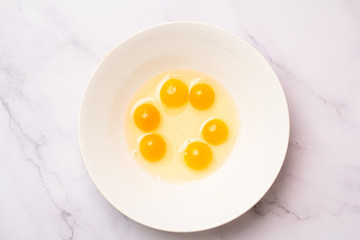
(242, 180)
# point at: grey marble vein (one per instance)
(22, 136)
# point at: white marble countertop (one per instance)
(49, 49)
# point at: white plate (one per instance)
(247, 174)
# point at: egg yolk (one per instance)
(198, 155)
(152, 147)
(174, 93)
(215, 132)
(146, 117)
(201, 96)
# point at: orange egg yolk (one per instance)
(146, 117)
(174, 93)
(215, 132)
(201, 96)
(153, 147)
(198, 155)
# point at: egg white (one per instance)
(180, 126)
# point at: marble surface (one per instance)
(49, 49)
